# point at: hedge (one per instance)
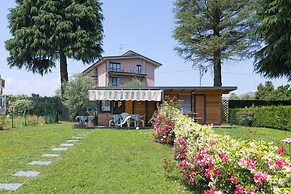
(278, 117)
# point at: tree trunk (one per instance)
(217, 53)
(217, 69)
(64, 79)
(63, 70)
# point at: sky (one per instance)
(144, 26)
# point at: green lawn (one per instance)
(252, 133)
(104, 161)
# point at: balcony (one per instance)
(125, 72)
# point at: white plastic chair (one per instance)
(114, 120)
(136, 119)
(125, 118)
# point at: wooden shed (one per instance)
(201, 103)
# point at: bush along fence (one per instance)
(214, 164)
(278, 117)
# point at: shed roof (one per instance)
(223, 89)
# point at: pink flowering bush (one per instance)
(214, 163)
(164, 124)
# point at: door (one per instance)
(200, 107)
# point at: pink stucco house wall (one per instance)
(117, 70)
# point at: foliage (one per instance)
(3, 122)
(278, 117)
(269, 92)
(257, 133)
(273, 60)
(164, 123)
(22, 106)
(219, 164)
(40, 105)
(233, 96)
(76, 96)
(211, 31)
(44, 105)
(135, 82)
(44, 31)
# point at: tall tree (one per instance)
(273, 60)
(210, 31)
(44, 31)
(76, 97)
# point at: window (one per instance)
(118, 107)
(114, 66)
(114, 81)
(105, 106)
(186, 103)
(138, 68)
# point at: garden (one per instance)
(207, 162)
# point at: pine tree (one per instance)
(44, 31)
(273, 60)
(210, 31)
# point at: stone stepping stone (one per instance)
(26, 173)
(10, 187)
(67, 144)
(59, 149)
(42, 163)
(77, 137)
(72, 140)
(51, 155)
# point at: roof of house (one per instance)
(224, 89)
(128, 55)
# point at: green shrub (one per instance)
(278, 117)
(3, 122)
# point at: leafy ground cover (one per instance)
(104, 161)
(254, 133)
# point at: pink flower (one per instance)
(191, 174)
(280, 163)
(281, 150)
(217, 192)
(182, 163)
(207, 173)
(239, 190)
(223, 157)
(212, 143)
(210, 164)
(242, 162)
(234, 180)
(287, 140)
(252, 164)
(168, 170)
(216, 172)
(201, 163)
(260, 177)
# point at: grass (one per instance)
(252, 133)
(104, 161)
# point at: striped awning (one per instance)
(131, 95)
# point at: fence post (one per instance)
(12, 117)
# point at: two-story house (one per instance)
(109, 75)
(117, 70)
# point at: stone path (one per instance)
(51, 155)
(10, 187)
(72, 140)
(41, 163)
(67, 144)
(59, 149)
(26, 174)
